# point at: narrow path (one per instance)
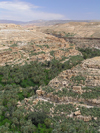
(74, 103)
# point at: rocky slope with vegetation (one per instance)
(47, 85)
(19, 45)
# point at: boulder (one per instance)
(95, 118)
(35, 102)
(77, 113)
(19, 102)
(39, 92)
(65, 83)
(43, 92)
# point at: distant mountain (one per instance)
(11, 21)
(42, 22)
(52, 22)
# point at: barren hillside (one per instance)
(74, 29)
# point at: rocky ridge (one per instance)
(74, 29)
(19, 45)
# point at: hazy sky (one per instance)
(28, 10)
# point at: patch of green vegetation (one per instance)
(78, 79)
(91, 95)
(91, 92)
(63, 58)
(91, 88)
(10, 49)
(71, 44)
(66, 50)
(12, 118)
(43, 106)
(73, 61)
(1, 78)
(69, 34)
(15, 52)
(33, 53)
(64, 108)
(39, 46)
(46, 46)
(52, 53)
(89, 52)
(48, 89)
(37, 74)
(14, 45)
(65, 92)
(70, 47)
(90, 111)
